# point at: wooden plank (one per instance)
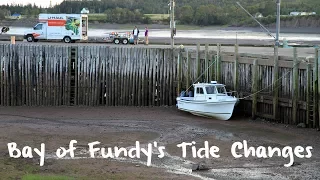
(18, 75)
(165, 89)
(133, 76)
(198, 61)
(236, 68)
(121, 76)
(161, 88)
(41, 75)
(179, 66)
(117, 75)
(139, 60)
(130, 76)
(150, 61)
(95, 77)
(206, 63)
(218, 63)
(55, 77)
(50, 61)
(88, 74)
(315, 89)
(80, 75)
(127, 77)
(45, 75)
(29, 50)
(35, 76)
(155, 61)
(107, 76)
(113, 76)
(188, 71)
(10, 76)
(172, 76)
(7, 60)
(255, 82)
(2, 59)
(14, 80)
(76, 64)
(295, 87)
(309, 88)
(66, 67)
(318, 90)
(276, 84)
(98, 76)
(144, 77)
(103, 56)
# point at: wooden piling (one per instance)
(218, 63)
(275, 83)
(254, 88)
(188, 69)
(295, 86)
(207, 70)
(315, 88)
(309, 91)
(235, 68)
(179, 73)
(198, 62)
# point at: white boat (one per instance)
(209, 100)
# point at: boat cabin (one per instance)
(207, 91)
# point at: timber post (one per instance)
(276, 84)
(295, 86)
(254, 88)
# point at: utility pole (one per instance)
(172, 22)
(278, 23)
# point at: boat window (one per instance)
(221, 89)
(211, 90)
(200, 91)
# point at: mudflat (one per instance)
(123, 126)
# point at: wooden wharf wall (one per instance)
(277, 88)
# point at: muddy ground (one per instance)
(123, 126)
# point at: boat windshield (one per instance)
(221, 89)
(211, 90)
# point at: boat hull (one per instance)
(216, 110)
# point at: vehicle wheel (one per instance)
(30, 38)
(125, 41)
(116, 41)
(67, 39)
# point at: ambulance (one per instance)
(66, 27)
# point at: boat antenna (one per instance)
(216, 57)
(268, 32)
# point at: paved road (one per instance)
(302, 51)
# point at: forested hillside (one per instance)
(198, 12)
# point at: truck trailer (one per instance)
(65, 27)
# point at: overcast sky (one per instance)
(42, 3)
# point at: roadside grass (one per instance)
(158, 16)
(45, 177)
(98, 17)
